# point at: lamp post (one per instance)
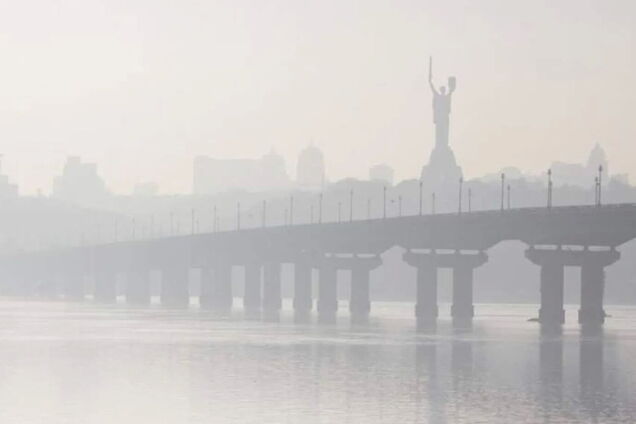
(192, 221)
(291, 210)
(600, 184)
(400, 205)
(470, 198)
(508, 188)
(238, 216)
(503, 181)
(264, 214)
(421, 184)
(595, 191)
(320, 209)
(311, 214)
(384, 203)
(351, 205)
(461, 183)
(433, 203)
(368, 209)
(339, 212)
(549, 188)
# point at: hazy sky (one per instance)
(142, 86)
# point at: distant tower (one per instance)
(310, 172)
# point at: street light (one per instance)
(503, 180)
(400, 205)
(549, 188)
(470, 198)
(238, 216)
(264, 214)
(351, 205)
(461, 183)
(600, 184)
(421, 183)
(291, 210)
(320, 209)
(508, 188)
(384, 202)
(339, 212)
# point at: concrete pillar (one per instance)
(272, 299)
(138, 287)
(105, 286)
(221, 296)
(591, 311)
(552, 263)
(426, 310)
(327, 292)
(252, 296)
(303, 302)
(206, 292)
(552, 284)
(462, 309)
(360, 302)
(175, 288)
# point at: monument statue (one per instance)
(441, 106)
(442, 170)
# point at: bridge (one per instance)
(579, 236)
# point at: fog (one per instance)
(356, 212)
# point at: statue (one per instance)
(442, 170)
(441, 107)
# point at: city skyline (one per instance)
(137, 86)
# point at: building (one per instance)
(582, 175)
(310, 170)
(7, 190)
(212, 175)
(79, 183)
(382, 173)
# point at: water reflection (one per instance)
(75, 362)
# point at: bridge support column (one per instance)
(462, 309)
(138, 287)
(175, 291)
(252, 296)
(591, 312)
(221, 297)
(303, 302)
(272, 300)
(105, 286)
(552, 263)
(327, 292)
(360, 301)
(426, 310)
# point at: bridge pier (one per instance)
(303, 302)
(175, 291)
(551, 312)
(462, 309)
(592, 264)
(426, 310)
(327, 292)
(591, 311)
(138, 287)
(105, 286)
(217, 293)
(252, 295)
(360, 301)
(272, 299)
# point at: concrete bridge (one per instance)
(582, 236)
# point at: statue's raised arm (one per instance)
(430, 75)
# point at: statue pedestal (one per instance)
(442, 169)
